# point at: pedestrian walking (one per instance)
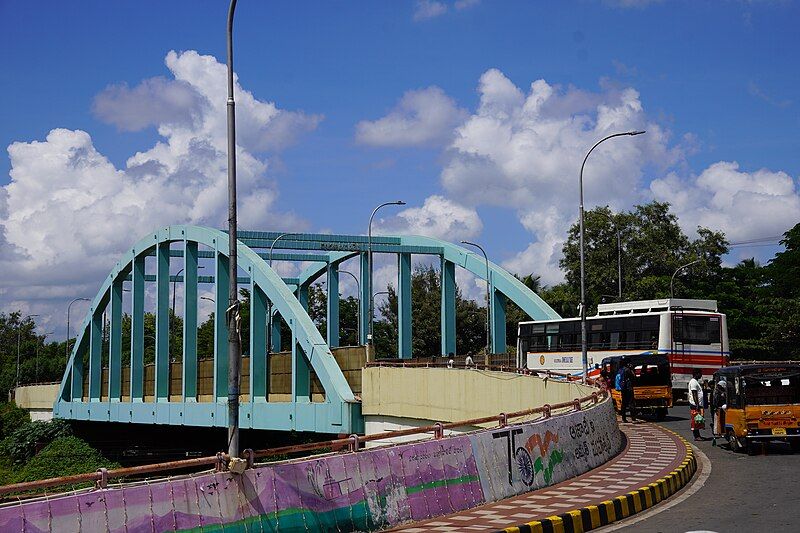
(696, 422)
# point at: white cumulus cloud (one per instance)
(522, 149)
(421, 118)
(745, 205)
(69, 212)
(437, 217)
(428, 9)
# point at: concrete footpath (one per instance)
(654, 464)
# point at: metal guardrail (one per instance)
(349, 444)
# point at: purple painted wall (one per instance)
(368, 490)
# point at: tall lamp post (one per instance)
(584, 347)
(68, 309)
(19, 337)
(358, 289)
(672, 280)
(488, 298)
(369, 260)
(232, 313)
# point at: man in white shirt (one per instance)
(695, 403)
(468, 362)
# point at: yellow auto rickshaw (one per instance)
(652, 386)
(758, 403)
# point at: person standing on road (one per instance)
(626, 391)
(468, 362)
(720, 403)
(696, 404)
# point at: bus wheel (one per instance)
(661, 413)
(795, 444)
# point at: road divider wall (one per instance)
(367, 490)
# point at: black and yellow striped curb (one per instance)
(594, 516)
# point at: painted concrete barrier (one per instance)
(364, 491)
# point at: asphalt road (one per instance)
(743, 493)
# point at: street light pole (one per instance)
(488, 298)
(68, 309)
(232, 313)
(672, 280)
(19, 334)
(619, 261)
(369, 261)
(358, 289)
(584, 347)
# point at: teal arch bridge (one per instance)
(147, 266)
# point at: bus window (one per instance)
(614, 340)
(696, 329)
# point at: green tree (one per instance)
(653, 247)
(426, 319)
(784, 269)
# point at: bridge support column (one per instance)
(333, 306)
(162, 323)
(498, 321)
(259, 369)
(366, 291)
(221, 329)
(76, 392)
(301, 372)
(448, 307)
(275, 334)
(190, 322)
(115, 342)
(137, 330)
(302, 296)
(95, 354)
(404, 306)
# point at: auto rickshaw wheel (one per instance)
(795, 444)
(736, 446)
(661, 413)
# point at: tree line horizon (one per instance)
(761, 301)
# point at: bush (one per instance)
(11, 418)
(21, 444)
(65, 456)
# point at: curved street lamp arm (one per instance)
(672, 280)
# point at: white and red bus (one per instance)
(692, 333)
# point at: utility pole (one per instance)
(232, 313)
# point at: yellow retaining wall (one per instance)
(451, 394)
(36, 396)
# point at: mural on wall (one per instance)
(529, 456)
(364, 491)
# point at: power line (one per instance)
(767, 240)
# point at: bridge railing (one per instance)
(481, 366)
(349, 444)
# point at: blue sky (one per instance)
(717, 80)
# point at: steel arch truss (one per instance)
(339, 413)
(503, 286)
(287, 298)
